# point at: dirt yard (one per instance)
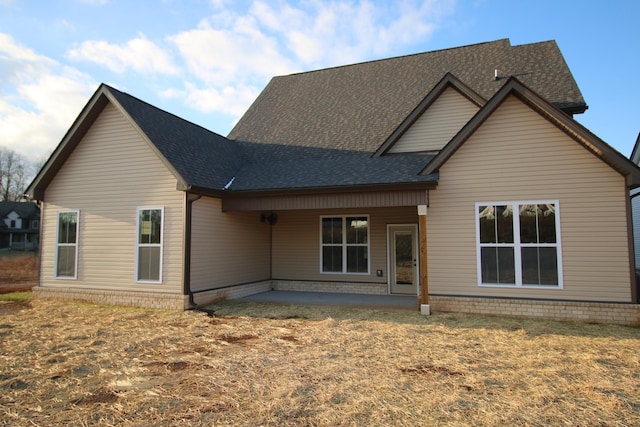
(270, 365)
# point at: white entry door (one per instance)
(402, 243)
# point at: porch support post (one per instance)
(423, 299)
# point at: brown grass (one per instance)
(18, 271)
(272, 365)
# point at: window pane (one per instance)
(547, 223)
(357, 230)
(149, 263)
(539, 266)
(67, 225)
(486, 216)
(496, 224)
(66, 261)
(332, 259)
(528, 223)
(504, 221)
(332, 230)
(497, 265)
(150, 221)
(357, 259)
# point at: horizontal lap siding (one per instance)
(111, 173)
(296, 243)
(227, 248)
(442, 120)
(517, 155)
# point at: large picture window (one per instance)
(149, 245)
(344, 244)
(519, 244)
(67, 244)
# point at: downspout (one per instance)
(187, 254)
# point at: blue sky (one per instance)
(207, 60)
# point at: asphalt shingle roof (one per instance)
(26, 210)
(320, 128)
(203, 158)
(357, 107)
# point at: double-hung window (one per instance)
(344, 244)
(149, 245)
(67, 244)
(519, 244)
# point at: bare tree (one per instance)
(15, 174)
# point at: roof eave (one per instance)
(422, 185)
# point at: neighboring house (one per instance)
(458, 176)
(19, 225)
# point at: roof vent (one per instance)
(497, 75)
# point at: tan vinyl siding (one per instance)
(438, 124)
(227, 248)
(517, 155)
(111, 173)
(296, 243)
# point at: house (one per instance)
(19, 225)
(458, 176)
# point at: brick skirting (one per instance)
(124, 298)
(588, 312)
(335, 287)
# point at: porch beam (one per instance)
(423, 299)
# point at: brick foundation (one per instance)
(335, 287)
(588, 312)
(124, 298)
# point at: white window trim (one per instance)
(76, 244)
(149, 245)
(344, 245)
(517, 246)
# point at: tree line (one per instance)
(16, 173)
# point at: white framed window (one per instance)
(67, 244)
(149, 244)
(518, 244)
(344, 244)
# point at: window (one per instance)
(519, 244)
(344, 244)
(67, 244)
(149, 245)
(35, 223)
(13, 223)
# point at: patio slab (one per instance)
(336, 299)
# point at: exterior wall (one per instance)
(442, 120)
(296, 244)
(227, 248)
(111, 173)
(518, 155)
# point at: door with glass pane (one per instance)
(403, 259)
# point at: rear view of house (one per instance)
(458, 176)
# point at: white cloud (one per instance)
(139, 54)
(39, 99)
(230, 100)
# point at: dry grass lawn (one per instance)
(271, 365)
(18, 271)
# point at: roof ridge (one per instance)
(355, 64)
